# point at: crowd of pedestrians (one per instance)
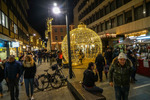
(121, 67)
(24, 71)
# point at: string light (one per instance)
(84, 39)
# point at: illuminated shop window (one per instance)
(15, 29)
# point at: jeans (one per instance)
(14, 89)
(1, 88)
(27, 83)
(94, 89)
(122, 92)
(39, 60)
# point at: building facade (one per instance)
(14, 28)
(58, 34)
(112, 18)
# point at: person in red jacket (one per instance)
(60, 58)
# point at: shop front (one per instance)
(13, 48)
(3, 50)
(142, 44)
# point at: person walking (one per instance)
(12, 74)
(29, 68)
(1, 79)
(119, 76)
(39, 57)
(100, 63)
(90, 78)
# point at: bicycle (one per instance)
(58, 71)
(45, 79)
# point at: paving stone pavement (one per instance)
(140, 90)
(50, 94)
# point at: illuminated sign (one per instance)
(15, 44)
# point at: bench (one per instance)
(81, 94)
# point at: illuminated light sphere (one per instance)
(83, 40)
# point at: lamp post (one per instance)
(56, 10)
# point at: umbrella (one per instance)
(127, 41)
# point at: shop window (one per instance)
(56, 38)
(107, 9)
(148, 8)
(113, 23)
(62, 37)
(119, 3)
(0, 18)
(61, 30)
(107, 25)
(55, 29)
(15, 29)
(128, 16)
(120, 20)
(139, 12)
(3, 19)
(112, 6)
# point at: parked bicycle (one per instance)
(45, 79)
(58, 71)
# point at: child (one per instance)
(106, 69)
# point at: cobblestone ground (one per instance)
(140, 90)
(50, 94)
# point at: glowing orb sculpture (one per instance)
(85, 44)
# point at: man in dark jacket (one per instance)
(1, 79)
(119, 75)
(12, 74)
(90, 78)
(100, 62)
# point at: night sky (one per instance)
(38, 13)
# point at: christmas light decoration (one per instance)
(83, 40)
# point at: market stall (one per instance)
(144, 59)
(143, 54)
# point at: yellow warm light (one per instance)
(136, 33)
(84, 39)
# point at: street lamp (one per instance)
(56, 10)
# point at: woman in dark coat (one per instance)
(29, 73)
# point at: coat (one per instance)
(89, 78)
(1, 73)
(120, 75)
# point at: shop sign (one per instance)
(146, 64)
(15, 44)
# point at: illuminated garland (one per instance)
(84, 39)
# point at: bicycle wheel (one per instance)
(43, 82)
(56, 81)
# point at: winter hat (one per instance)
(122, 55)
